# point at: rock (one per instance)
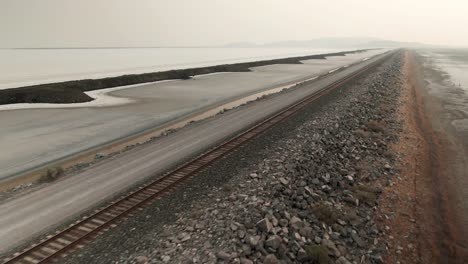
(308, 191)
(184, 237)
(273, 241)
(283, 222)
(234, 227)
(141, 260)
(302, 255)
(254, 175)
(223, 256)
(330, 245)
(271, 259)
(357, 239)
(283, 181)
(253, 241)
(342, 260)
(306, 231)
(199, 226)
(264, 225)
(301, 183)
(165, 258)
(296, 223)
(240, 233)
(207, 245)
(297, 237)
(351, 200)
(326, 177)
(377, 259)
(317, 240)
(246, 250)
(246, 261)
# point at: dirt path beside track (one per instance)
(419, 209)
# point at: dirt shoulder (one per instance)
(418, 208)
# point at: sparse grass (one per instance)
(366, 194)
(386, 108)
(365, 188)
(318, 254)
(376, 126)
(361, 133)
(389, 154)
(325, 213)
(364, 168)
(227, 188)
(366, 197)
(51, 174)
(350, 216)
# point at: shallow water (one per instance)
(452, 65)
(21, 67)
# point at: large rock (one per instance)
(141, 260)
(223, 256)
(264, 225)
(273, 241)
(342, 260)
(271, 259)
(253, 241)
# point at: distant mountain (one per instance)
(332, 43)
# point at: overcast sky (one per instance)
(45, 23)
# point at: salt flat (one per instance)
(33, 137)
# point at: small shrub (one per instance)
(367, 197)
(318, 254)
(389, 155)
(51, 174)
(376, 126)
(361, 133)
(325, 213)
(366, 188)
(350, 216)
(227, 189)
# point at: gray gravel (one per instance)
(305, 192)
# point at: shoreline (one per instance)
(74, 91)
(419, 208)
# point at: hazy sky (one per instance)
(33, 23)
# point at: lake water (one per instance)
(22, 67)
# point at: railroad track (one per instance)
(83, 231)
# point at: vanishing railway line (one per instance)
(66, 241)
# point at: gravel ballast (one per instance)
(305, 192)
